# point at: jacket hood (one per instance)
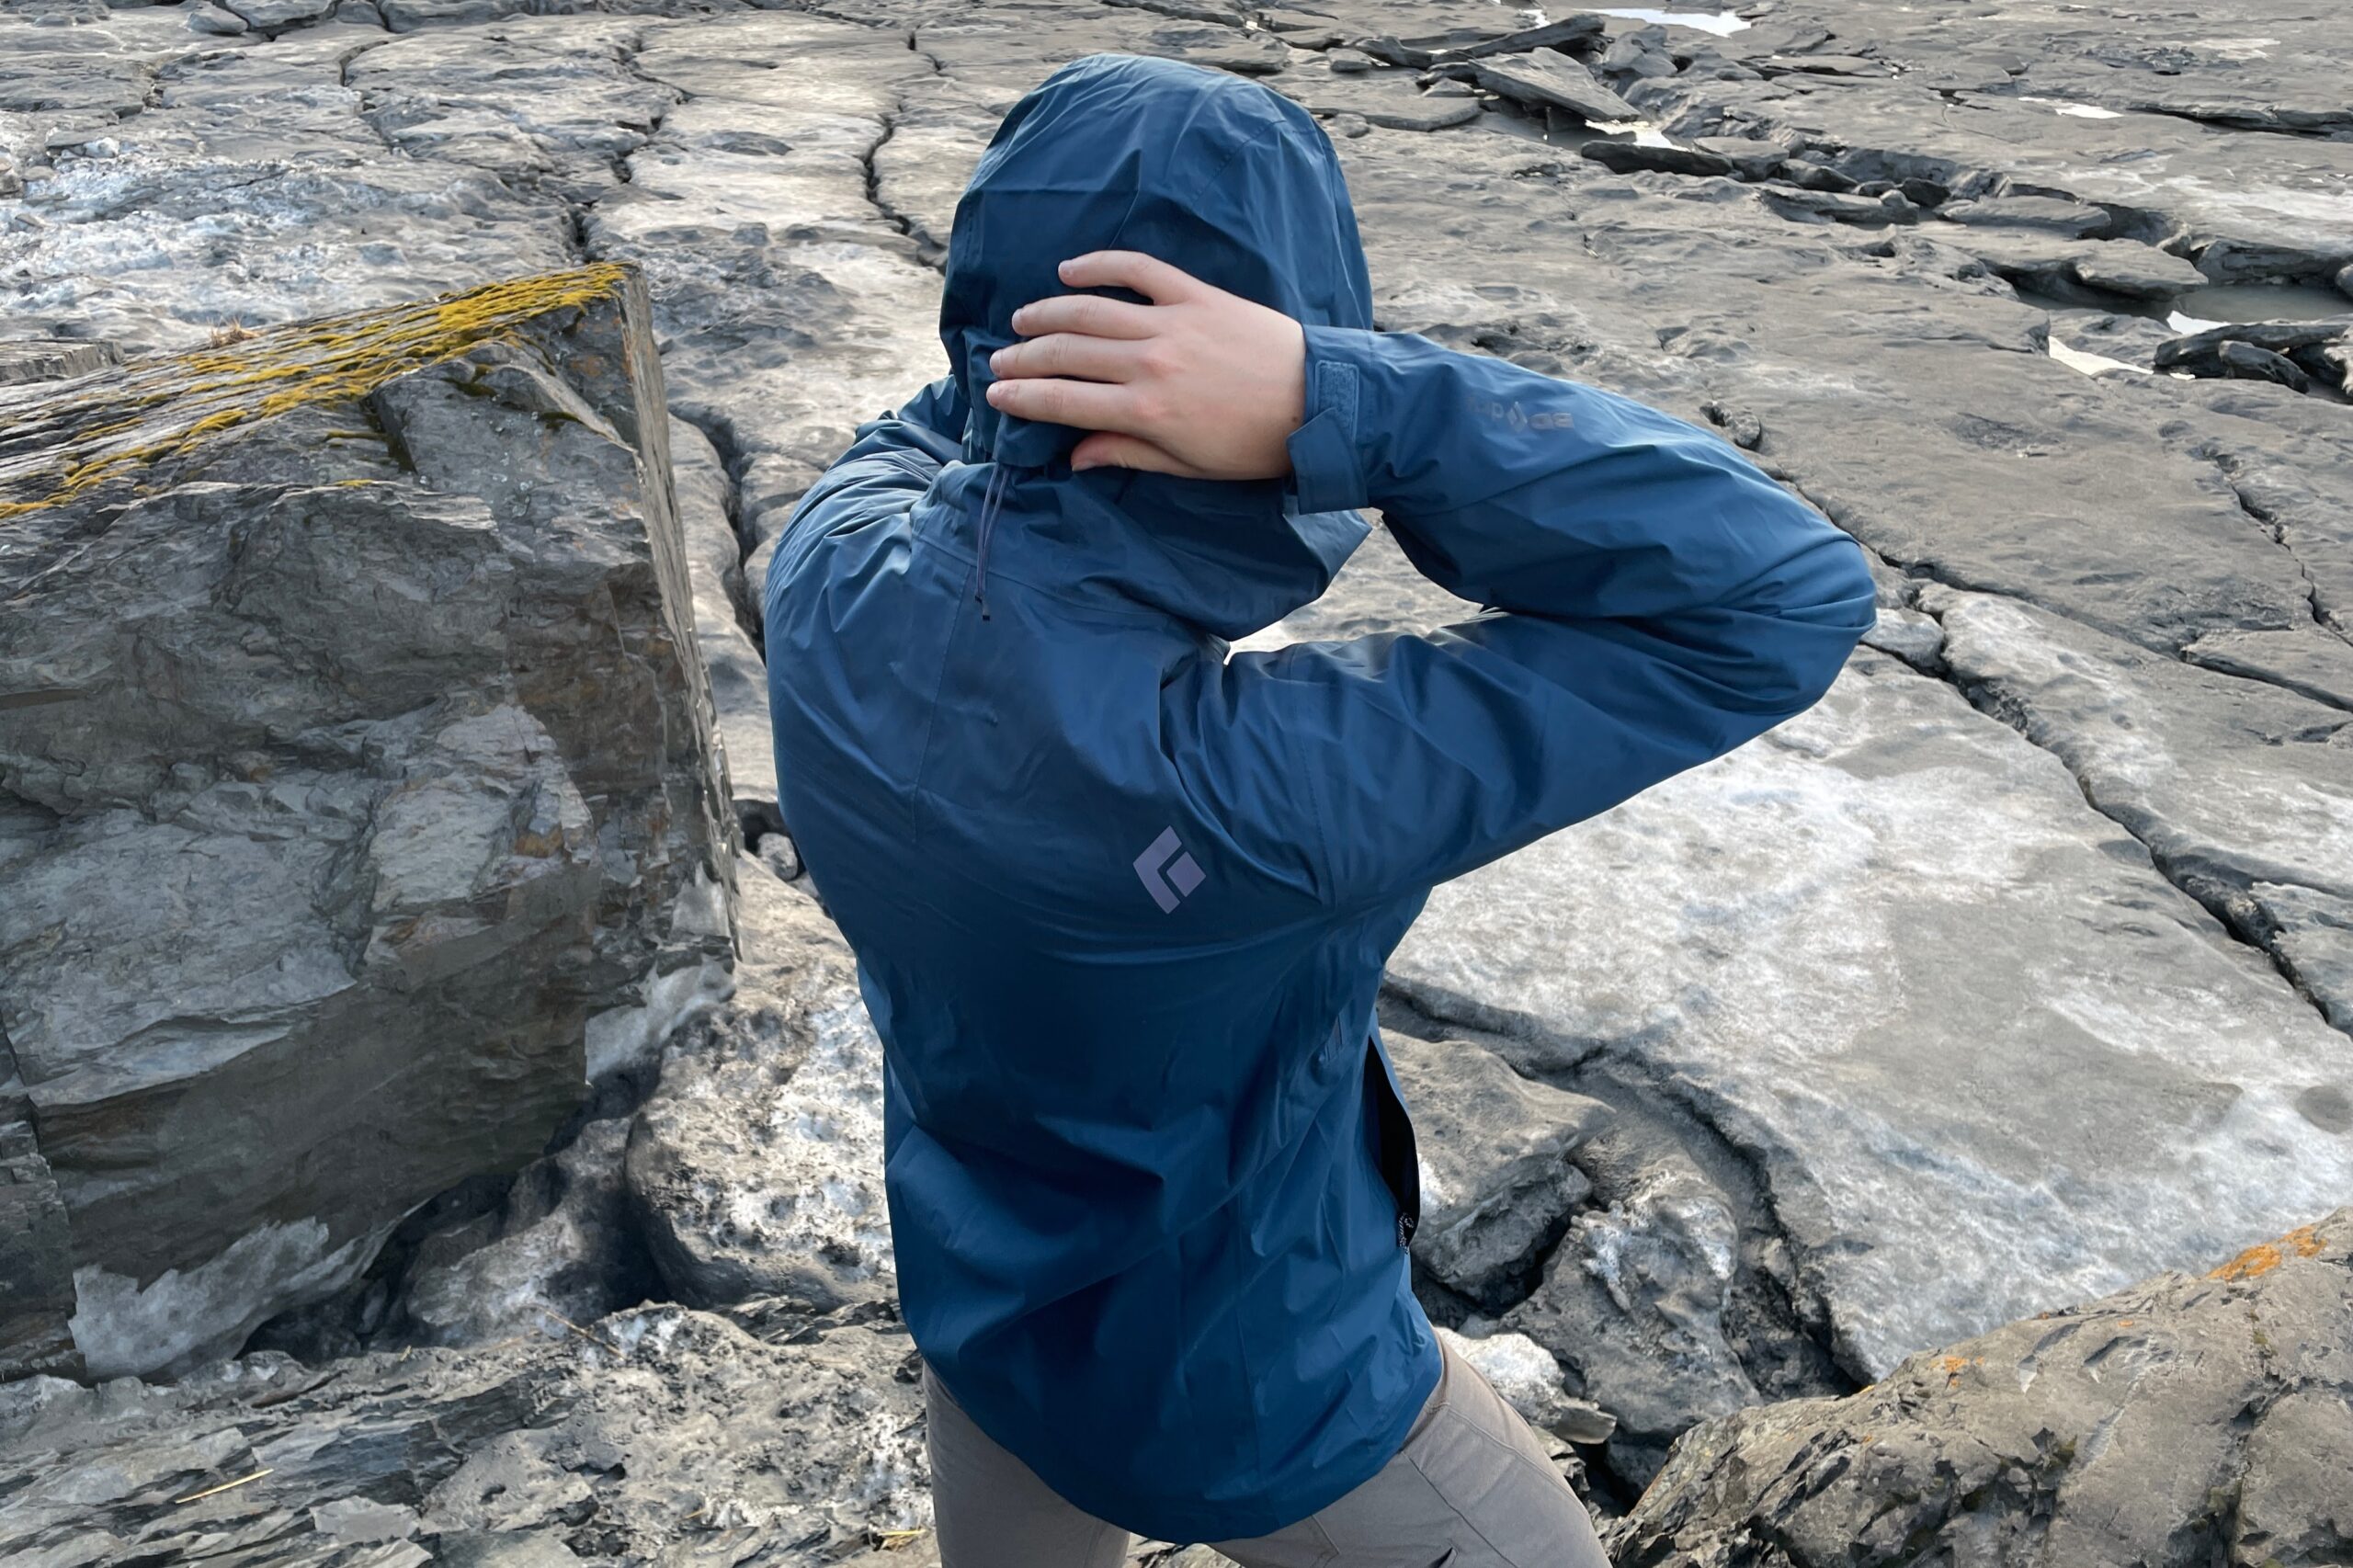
(1232, 183)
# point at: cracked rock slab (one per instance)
(2105, 1084)
(2187, 1419)
(2232, 784)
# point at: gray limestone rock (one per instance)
(1383, 99)
(2232, 784)
(2073, 218)
(1750, 158)
(1458, 34)
(276, 14)
(36, 1263)
(1625, 157)
(562, 1251)
(362, 803)
(649, 1435)
(1528, 1377)
(1633, 1304)
(2309, 661)
(1550, 80)
(1942, 1153)
(2188, 1418)
(39, 360)
(1498, 1184)
(757, 1164)
(218, 21)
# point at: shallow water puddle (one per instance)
(2080, 111)
(1723, 24)
(2219, 303)
(1639, 132)
(2091, 364)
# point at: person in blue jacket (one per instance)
(1121, 898)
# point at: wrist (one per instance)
(1326, 459)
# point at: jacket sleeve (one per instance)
(892, 458)
(1654, 600)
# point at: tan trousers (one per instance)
(1472, 1488)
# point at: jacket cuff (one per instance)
(1327, 468)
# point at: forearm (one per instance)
(1548, 497)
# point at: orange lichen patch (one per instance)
(160, 407)
(2261, 1259)
(1954, 1366)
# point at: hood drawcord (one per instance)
(988, 526)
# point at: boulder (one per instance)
(357, 794)
(2190, 1418)
(757, 1164)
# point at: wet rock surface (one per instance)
(2020, 970)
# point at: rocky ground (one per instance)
(2019, 970)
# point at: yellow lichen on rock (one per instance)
(63, 442)
(2262, 1258)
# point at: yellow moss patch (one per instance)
(162, 406)
(2261, 1259)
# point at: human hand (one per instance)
(1201, 382)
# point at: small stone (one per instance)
(1830, 205)
(1814, 176)
(779, 854)
(1348, 62)
(209, 18)
(1347, 126)
(1529, 1381)
(1741, 427)
(2244, 361)
(1447, 87)
(1913, 636)
(2073, 218)
(1751, 159)
(2345, 281)
(1923, 192)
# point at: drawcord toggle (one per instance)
(988, 526)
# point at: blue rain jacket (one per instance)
(1121, 902)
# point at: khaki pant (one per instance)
(1472, 1488)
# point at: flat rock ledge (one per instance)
(2187, 1419)
(358, 801)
